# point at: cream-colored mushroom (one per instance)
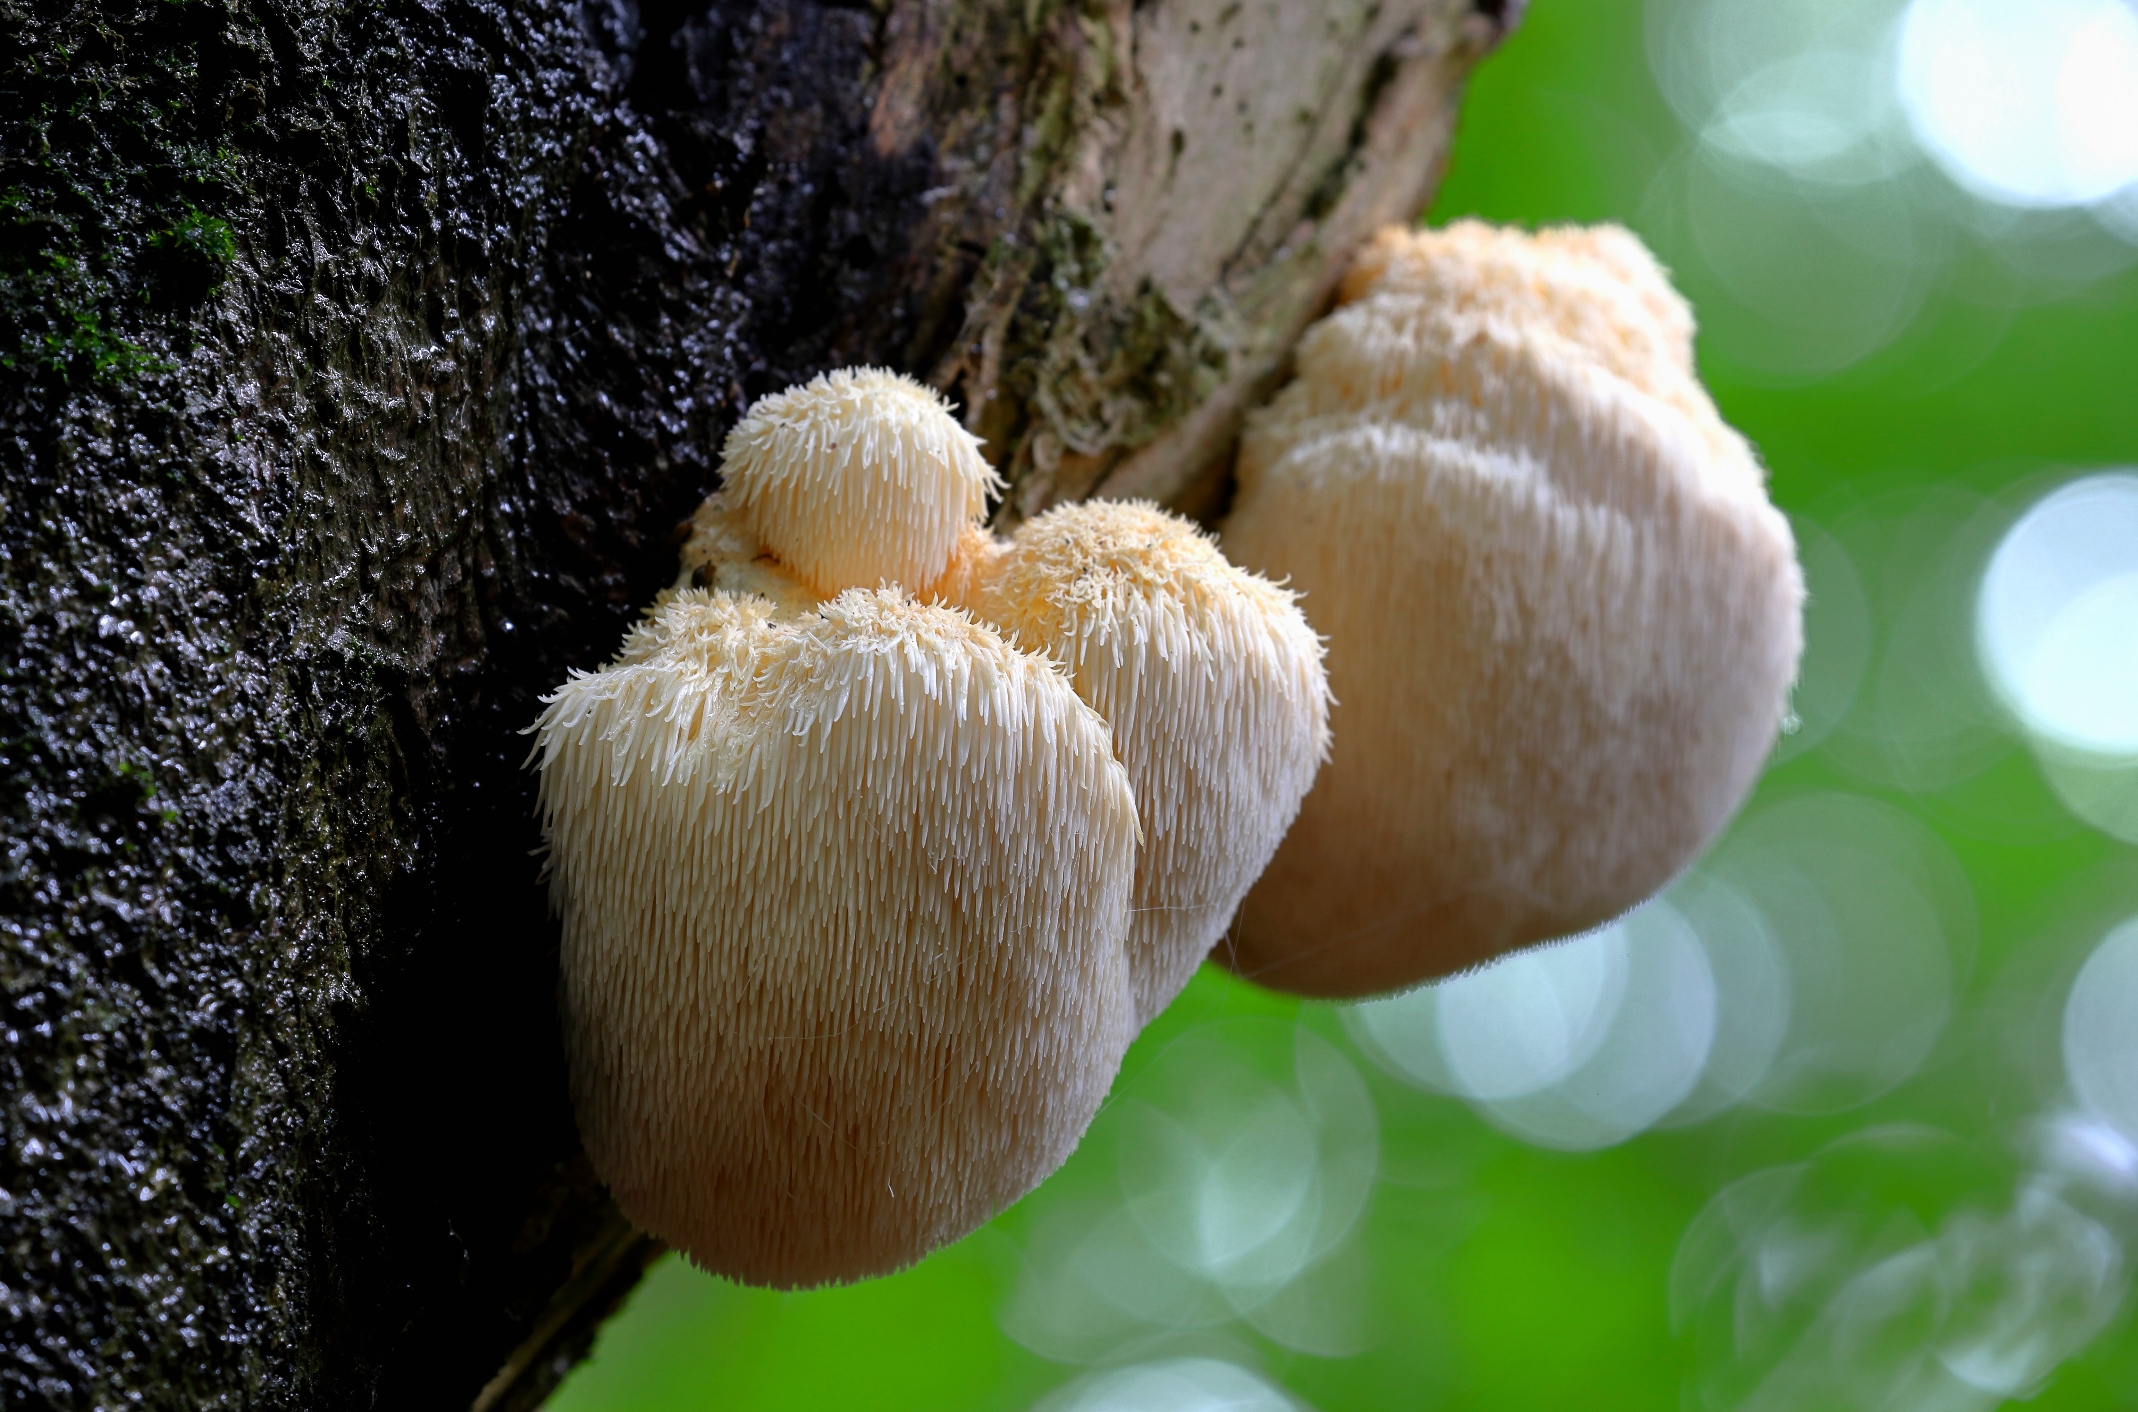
(721, 552)
(1595, 285)
(1590, 293)
(1211, 680)
(858, 478)
(844, 896)
(1562, 616)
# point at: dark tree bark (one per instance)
(356, 361)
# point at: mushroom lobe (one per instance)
(858, 478)
(1212, 682)
(1563, 618)
(844, 900)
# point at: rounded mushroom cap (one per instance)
(1596, 286)
(1562, 618)
(1586, 293)
(1401, 359)
(1213, 684)
(844, 902)
(858, 478)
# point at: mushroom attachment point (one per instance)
(1563, 617)
(845, 901)
(1211, 680)
(856, 479)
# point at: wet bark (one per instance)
(356, 362)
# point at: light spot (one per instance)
(1176, 1385)
(2029, 103)
(1237, 1177)
(2057, 637)
(2057, 616)
(2101, 1031)
(1574, 1046)
(1751, 994)
(1897, 1268)
(1532, 1019)
(1871, 915)
(1244, 1157)
(1822, 112)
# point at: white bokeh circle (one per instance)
(2101, 1031)
(2028, 103)
(1577, 1045)
(2057, 616)
(1870, 916)
(1245, 1153)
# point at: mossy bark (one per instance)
(356, 361)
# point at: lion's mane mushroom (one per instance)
(1562, 616)
(1211, 680)
(844, 898)
(857, 478)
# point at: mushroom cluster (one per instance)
(1563, 617)
(880, 839)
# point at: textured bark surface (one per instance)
(355, 363)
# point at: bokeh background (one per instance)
(1849, 1117)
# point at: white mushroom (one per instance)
(858, 478)
(1211, 680)
(1562, 616)
(844, 899)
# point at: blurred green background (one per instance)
(1848, 1119)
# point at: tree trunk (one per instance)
(356, 362)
